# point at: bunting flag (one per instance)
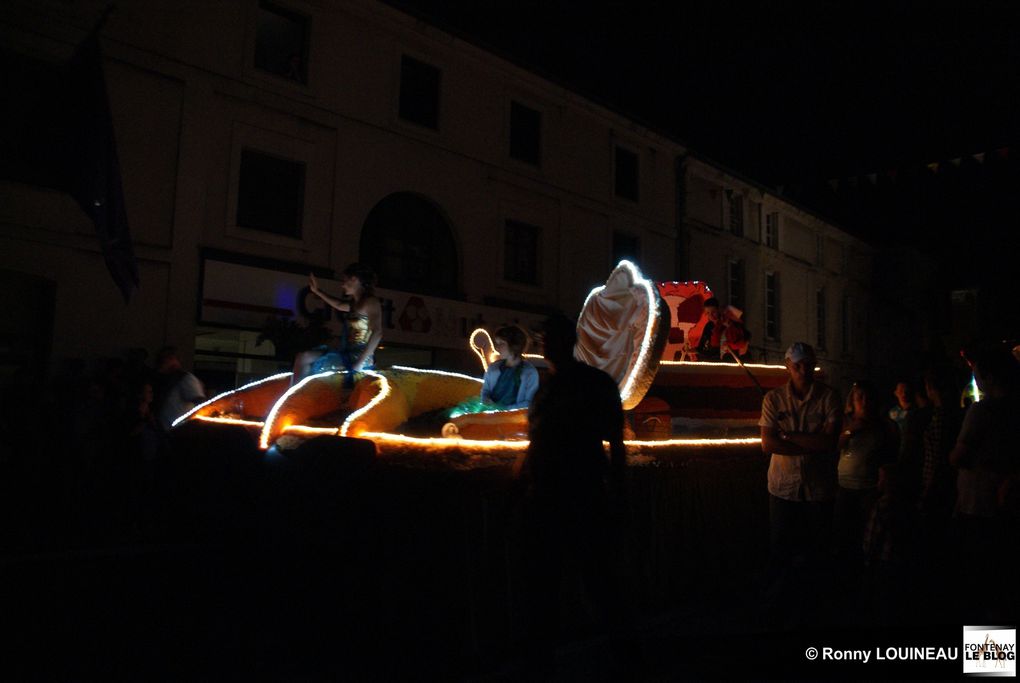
(894, 173)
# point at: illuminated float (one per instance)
(627, 327)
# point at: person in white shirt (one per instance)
(177, 390)
(800, 423)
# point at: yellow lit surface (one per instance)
(229, 421)
(271, 418)
(393, 441)
(439, 442)
(368, 422)
(441, 373)
(673, 443)
(302, 430)
(384, 391)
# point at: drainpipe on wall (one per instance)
(681, 252)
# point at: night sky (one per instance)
(798, 94)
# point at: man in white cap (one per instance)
(800, 424)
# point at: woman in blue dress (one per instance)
(354, 349)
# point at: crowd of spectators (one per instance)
(80, 452)
(922, 521)
(900, 504)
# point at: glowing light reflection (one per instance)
(441, 373)
(671, 443)
(384, 391)
(271, 418)
(488, 444)
(478, 350)
(703, 363)
(653, 317)
(493, 354)
(194, 410)
(439, 441)
(304, 430)
(229, 421)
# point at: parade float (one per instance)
(385, 474)
(635, 330)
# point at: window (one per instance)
(408, 241)
(735, 278)
(281, 42)
(625, 246)
(820, 250)
(271, 194)
(845, 314)
(419, 92)
(772, 306)
(736, 215)
(771, 235)
(820, 318)
(626, 174)
(525, 134)
(521, 253)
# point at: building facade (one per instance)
(795, 276)
(262, 140)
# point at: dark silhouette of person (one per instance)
(800, 422)
(987, 463)
(723, 332)
(568, 517)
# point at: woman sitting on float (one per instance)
(511, 381)
(353, 351)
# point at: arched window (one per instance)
(408, 241)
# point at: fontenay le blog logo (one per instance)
(989, 650)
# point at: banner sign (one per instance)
(245, 296)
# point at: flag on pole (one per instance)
(71, 136)
(92, 166)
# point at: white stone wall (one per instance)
(186, 98)
(710, 245)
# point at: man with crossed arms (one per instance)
(800, 423)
